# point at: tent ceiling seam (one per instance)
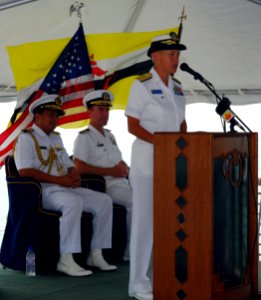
(11, 4)
(134, 16)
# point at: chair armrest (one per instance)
(28, 189)
(23, 180)
(93, 182)
(24, 193)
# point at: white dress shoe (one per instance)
(68, 266)
(96, 259)
(142, 296)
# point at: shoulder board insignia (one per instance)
(28, 130)
(144, 77)
(108, 130)
(85, 130)
(57, 133)
(176, 80)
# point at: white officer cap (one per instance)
(52, 102)
(99, 97)
(166, 42)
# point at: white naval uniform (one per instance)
(101, 150)
(158, 108)
(70, 201)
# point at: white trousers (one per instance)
(72, 202)
(141, 245)
(120, 191)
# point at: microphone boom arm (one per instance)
(222, 101)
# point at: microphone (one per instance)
(223, 109)
(184, 67)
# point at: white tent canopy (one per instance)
(223, 37)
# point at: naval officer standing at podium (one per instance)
(156, 103)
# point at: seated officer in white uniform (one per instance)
(96, 151)
(39, 153)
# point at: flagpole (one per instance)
(183, 16)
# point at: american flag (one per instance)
(70, 77)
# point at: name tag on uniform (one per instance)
(100, 145)
(43, 147)
(156, 92)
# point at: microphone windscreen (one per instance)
(222, 107)
(184, 67)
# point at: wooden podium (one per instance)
(205, 216)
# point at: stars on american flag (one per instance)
(72, 63)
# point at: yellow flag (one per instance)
(110, 52)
